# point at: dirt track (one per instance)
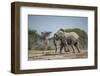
(51, 55)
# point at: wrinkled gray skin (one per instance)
(63, 43)
(66, 40)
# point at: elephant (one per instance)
(44, 38)
(66, 40)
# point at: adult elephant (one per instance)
(66, 39)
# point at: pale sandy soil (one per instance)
(51, 55)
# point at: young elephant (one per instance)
(58, 36)
(66, 39)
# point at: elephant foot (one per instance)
(73, 52)
(78, 51)
(60, 53)
(66, 51)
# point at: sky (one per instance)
(44, 23)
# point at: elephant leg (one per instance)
(73, 48)
(65, 48)
(61, 47)
(77, 47)
(54, 41)
(68, 50)
(55, 49)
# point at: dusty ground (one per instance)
(51, 55)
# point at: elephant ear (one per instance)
(56, 36)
